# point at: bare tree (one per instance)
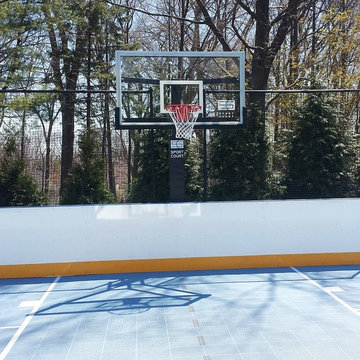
(67, 37)
(272, 25)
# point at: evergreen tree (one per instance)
(86, 184)
(150, 181)
(238, 165)
(194, 174)
(151, 176)
(319, 157)
(17, 188)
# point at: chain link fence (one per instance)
(35, 119)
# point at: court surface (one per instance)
(279, 313)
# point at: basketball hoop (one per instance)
(184, 117)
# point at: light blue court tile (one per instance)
(184, 341)
(114, 350)
(302, 325)
(286, 345)
(148, 356)
(212, 322)
(226, 357)
(311, 333)
(207, 307)
(268, 323)
(47, 351)
(175, 311)
(88, 347)
(185, 352)
(219, 331)
(353, 352)
(244, 335)
(329, 354)
(351, 341)
(229, 315)
(144, 325)
(260, 356)
(211, 316)
(82, 355)
(219, 340)
(342, 333)
(294, 355)
(184, 323)
(64, 340)
(120, 344)
(314, 344)
(253, 347)
(217, 349)
(153, 352)
(145, 343)
(152, 333)
(123, 322)
(278, 335)
(5, 337)
(175, 333)
(21, 352)
(331, 324)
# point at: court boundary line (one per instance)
(27, 320)
(335, 297)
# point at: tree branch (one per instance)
(247, 9)
(212, 26)
(128, 7)
(55, 60)
(242, 40)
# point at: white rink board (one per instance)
(157, 231)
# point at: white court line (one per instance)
(342, 302)
(27, 320)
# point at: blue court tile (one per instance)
(152, 351)
(5, 337)
(147, 316)
(347, 342)
(121, 351)
(226, 357)
(184, 352)
(218, 349)
(248, 335)
(314, 344)
(216, 340)
(352, 351)
(218, 331)
(331, 353)
(278, 335)
(311, 333)
(254, 347)
(342, 333)
(294, 355)
(286, 345)
(260, 356)
(176, 333)
(183, 341)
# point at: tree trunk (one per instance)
(67, 147)
(67, 55)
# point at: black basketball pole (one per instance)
(177, 157)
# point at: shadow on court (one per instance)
(120, 295)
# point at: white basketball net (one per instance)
(184, 117)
